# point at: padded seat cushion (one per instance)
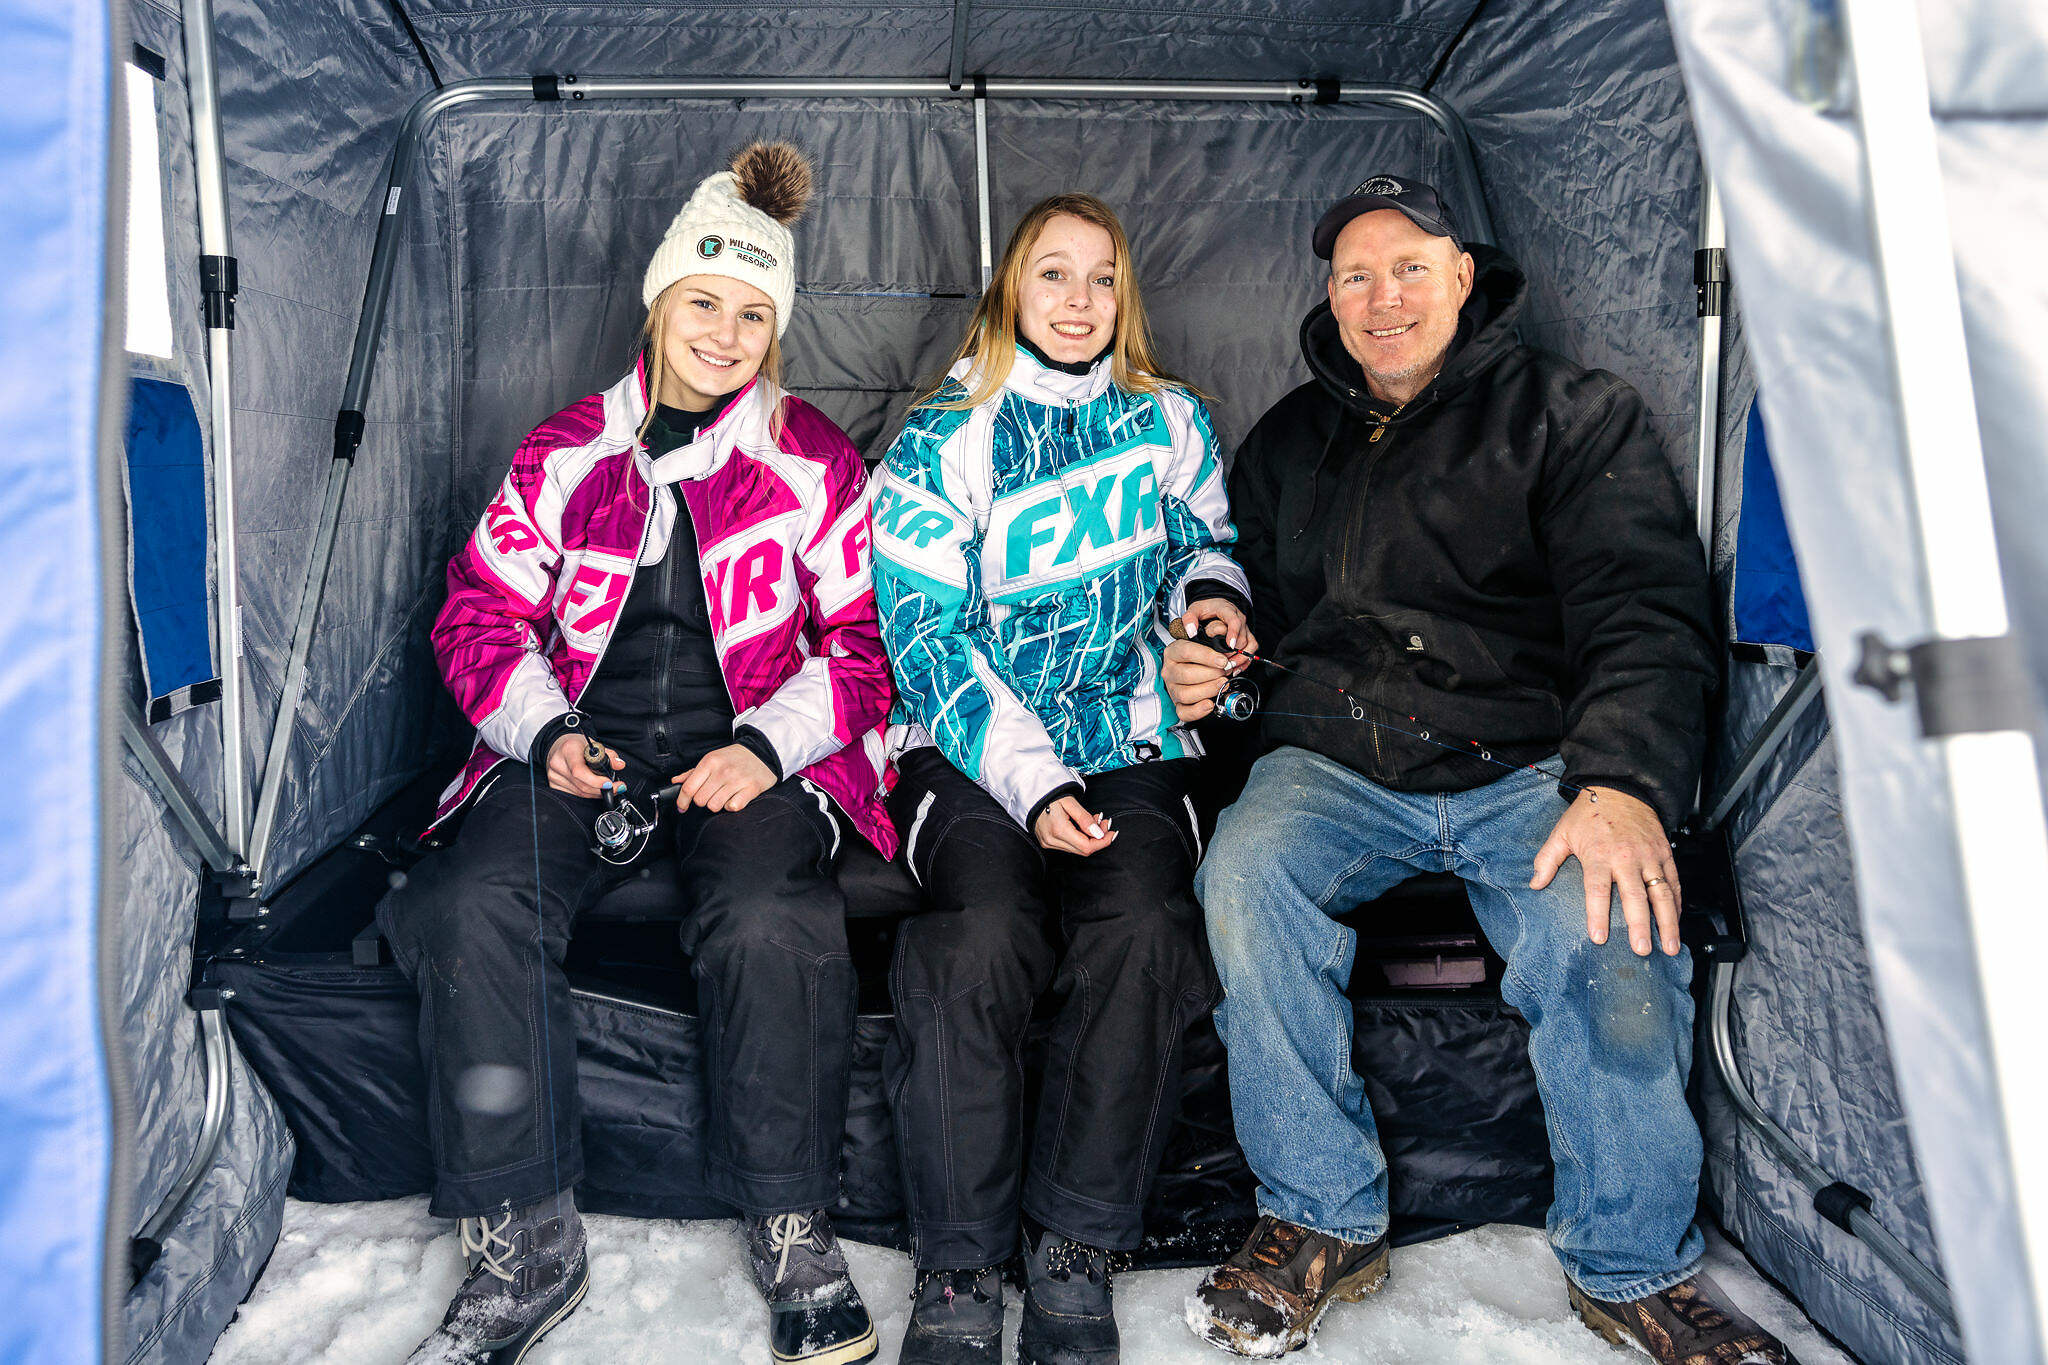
(874, 887)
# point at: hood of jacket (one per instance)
(1486, 333)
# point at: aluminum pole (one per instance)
(984, 223)
(177, 797)
(1873, 1234)
(1791, 705)
(218, 268)
(1994, 794)
(1710, 259)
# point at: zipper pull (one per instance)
(1379, 430)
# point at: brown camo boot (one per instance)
(1691, 1323)
(1268, 1297)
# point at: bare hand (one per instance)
(1067, 827)
(1195, 674)
(569, 771)
(724, 779)
(1620, 845)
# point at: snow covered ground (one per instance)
(362, 1283)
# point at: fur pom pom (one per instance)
(775, 178)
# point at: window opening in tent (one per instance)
(166, 465)
(149, 286)
(1769, 604)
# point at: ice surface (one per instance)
(363, 1283)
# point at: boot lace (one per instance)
(1696, 1310)
(787, 1232)
(1064, 1257)
(486, 1247)
(958, 1282)
(1278, 1242)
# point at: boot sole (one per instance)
(1598, 1319)
(1367, 1279)
(863, 1347)
(555, 1318)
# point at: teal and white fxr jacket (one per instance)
(1028, 554)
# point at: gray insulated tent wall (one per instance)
(517, 232)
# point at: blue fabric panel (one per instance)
(1770, 606)
(55, 1141)
(167, 511)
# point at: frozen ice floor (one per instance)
(362, 1283)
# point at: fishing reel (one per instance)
(621, 829)
(1240, 699)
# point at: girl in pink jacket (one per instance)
(665, 611)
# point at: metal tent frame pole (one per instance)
(217, 292)
(1840, 1203)
(571, 90)
(1971, 682)
(1791, 705)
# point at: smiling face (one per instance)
(1066, 306)
(1396, 291)
(714, 335)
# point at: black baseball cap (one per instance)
(1415, 201)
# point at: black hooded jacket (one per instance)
(1510, 569)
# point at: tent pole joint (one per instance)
(219, 280)
(1710, 281)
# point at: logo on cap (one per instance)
(710, 246)
(1381, 184)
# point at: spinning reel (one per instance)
(1240, 699)
(621, 829)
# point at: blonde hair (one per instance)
(654, 351)
(991, 339)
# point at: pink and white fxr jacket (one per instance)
(782, 535)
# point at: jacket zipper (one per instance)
(664, 654)
(632, 573)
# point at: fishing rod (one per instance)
(1240, 702)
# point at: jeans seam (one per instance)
(1514, 974)
(1643, 1288)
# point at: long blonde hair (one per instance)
(991, 340)
(654, 351)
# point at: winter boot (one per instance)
(957, 1319)
(527, 1271)
(815, 1316)
(1068, 1318)
(1691, 1323)
(1268, 1297)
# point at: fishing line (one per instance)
(1470, 748)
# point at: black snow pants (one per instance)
(1117, 936)
(481, 928)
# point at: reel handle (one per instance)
(1240, 699)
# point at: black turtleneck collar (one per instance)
(676, 427)
(1078, 367)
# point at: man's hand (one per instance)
(1620, 845)
(1196, 674)
(724, 779)
(1066, 827)
(568, 772)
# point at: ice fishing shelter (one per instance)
(1887, 853)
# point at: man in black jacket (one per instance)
(1492, 657)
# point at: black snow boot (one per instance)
(815, 1316)
(1068, 1319)
(527, 1271)
(957, 1319)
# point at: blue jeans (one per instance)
(1610, 1033)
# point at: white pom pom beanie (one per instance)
(719, 233)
